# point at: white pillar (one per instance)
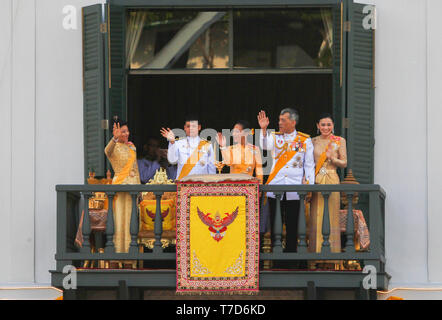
(5, 133)
(18, 139)
(434, 116)
(23, 142)
(59, 142)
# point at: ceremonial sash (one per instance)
(188, 166)
(124, 173)
(323, 156)
(282, 161)
(283, 158)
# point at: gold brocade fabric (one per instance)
(327, 176)
(244, 159)
(119, 154)
(122, 213)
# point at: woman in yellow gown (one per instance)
(242, 157)
(330, 153)
(122, 156)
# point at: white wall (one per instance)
(400, 132)
(41, 101)
(17, 96)
(5, 132)
(41, 107)
(59, 130)
(434, 116)
(407, 165)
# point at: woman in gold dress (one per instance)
(122, 156)
(330, 153)
(242, 157)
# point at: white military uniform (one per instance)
(182, 149)
(302, 164)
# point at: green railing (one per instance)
(69, 209)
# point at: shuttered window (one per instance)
(338, 69)
(116, 47)
(105, 81)
(360, 96)
(94, 90)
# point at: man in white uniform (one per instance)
(192, 154)
(293, 164)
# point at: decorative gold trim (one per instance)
(198, 268)
(150, 242)
(237, 268)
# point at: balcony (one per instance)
(72, 199)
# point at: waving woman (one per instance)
(122, 156)
(242, 157)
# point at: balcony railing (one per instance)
(70, 206)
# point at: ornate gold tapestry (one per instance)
(218, 238)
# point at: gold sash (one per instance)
(188, 166)
(124, 173)
(323, 156)
(284, 157)
(282, 161)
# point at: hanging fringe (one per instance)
(217, 293)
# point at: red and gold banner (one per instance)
(148, 209)
(218, 238)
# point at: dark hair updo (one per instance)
(244, 124)
(325, 116)
(122, 123)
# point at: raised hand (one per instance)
(168, 134)
(116, 131)
(263, 120)
(221, 140)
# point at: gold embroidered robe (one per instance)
(244, 159)
(124, 162)
(327, 176)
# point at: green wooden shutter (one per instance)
(116, 49)
(93, 90)
(360, 96)
(338, 69)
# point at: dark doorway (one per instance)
(156, 101)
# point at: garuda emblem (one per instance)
(152, 215)
(217, 226)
